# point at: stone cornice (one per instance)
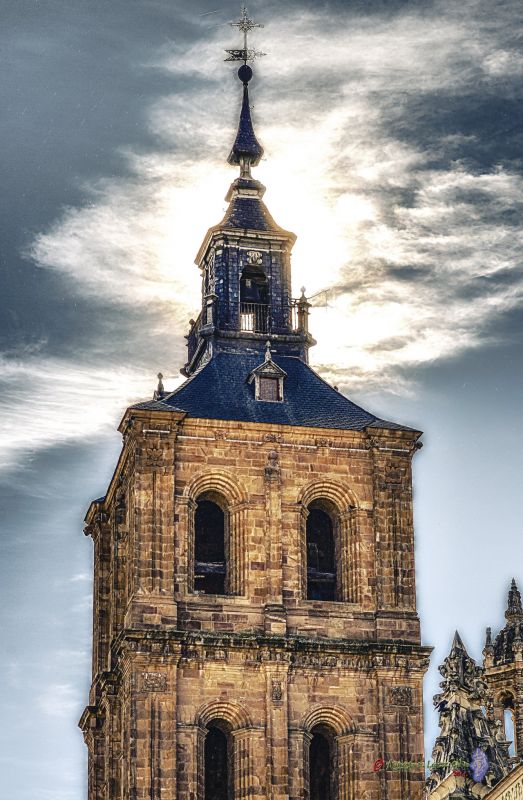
(296, 650)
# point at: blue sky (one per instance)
(392, 135)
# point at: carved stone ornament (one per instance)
(153, 456)
(401, 696)
(254, 257)
(272, 468)
(272, 437)
(394, 475)
(153, 682)
(277, 691)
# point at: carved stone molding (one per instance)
(400, 696)
(276, 691)
(153, 682)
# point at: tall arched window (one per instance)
(321, 558)
(254, 300)
(508, 722)
(210, 564)
(218, 767)
(321, 772)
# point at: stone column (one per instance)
(350, 539)
(190, 762)
(345, 767)
(237, 549)
(275, 621)
(299, 747)
(246, 779)
(518, 702)
(152, 747)
(185, 509)
(153, 522)
(277, 731)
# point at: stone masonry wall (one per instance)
(265, 661)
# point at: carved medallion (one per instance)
(153, 682)
(254, 257)
(400, 696)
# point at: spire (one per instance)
(457, 644)
(514, 607)
(466, 735)
(246, 150)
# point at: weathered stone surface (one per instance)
(267, 661)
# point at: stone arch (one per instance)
(218, 481)
(505, 698)
(230, 711)
(334, 717)
(219, 485)
(342, 504)
(343, 498)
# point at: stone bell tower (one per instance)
(255, 628)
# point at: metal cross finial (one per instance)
(244, 24)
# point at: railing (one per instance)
(192, 336)
(254, 317)
(295, 320)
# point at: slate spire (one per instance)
(246, 150)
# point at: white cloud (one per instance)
(366, 203)
(81, 577)
(49, 401)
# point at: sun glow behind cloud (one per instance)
(418, 258)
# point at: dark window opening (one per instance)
(320, 772)
(217, 773)
(269, 389)
(254, 301)
(209, 548)
(321, 566)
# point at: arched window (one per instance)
(321, 772)
(254, 300)
(321, 559)
(210, 565)
(508, 722)
(218, 770)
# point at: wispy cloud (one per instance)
(418, 240)
(47, 402)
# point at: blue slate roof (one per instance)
(246, 144)
(220, 390)
(248, 212)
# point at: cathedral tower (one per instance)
(504, 671)
(255, 627)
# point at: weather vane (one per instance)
(244, 24)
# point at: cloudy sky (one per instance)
(392, 134)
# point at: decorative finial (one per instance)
(246, 53)
(159, 392)
(488, 638)
(246, 151)
(514, 607)
(268, 354)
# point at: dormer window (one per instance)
(268, 379)
(269, 389)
